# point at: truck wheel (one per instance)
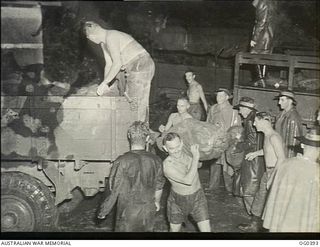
(26, 204)
(70, 205)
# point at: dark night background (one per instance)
(297, 28)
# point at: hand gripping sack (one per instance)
(213, 140)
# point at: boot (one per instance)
(254, 226)
(261, 74)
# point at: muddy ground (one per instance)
(225, 210)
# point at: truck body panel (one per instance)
(80, 128)
(307, 90)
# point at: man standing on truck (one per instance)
(122, 52)
(288, 122)
(262, 34)
(136, 182)
(223, 114)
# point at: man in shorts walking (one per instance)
(186, 196)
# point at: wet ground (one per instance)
(225, 210)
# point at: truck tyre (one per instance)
(70, 205)
(26, 204)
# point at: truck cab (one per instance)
(53, 145)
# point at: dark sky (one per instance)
(304, 13)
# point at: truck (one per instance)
(298, 71)
(53, 147)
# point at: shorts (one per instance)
(179, 207)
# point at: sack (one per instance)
(212, 139)
(235, 154)
(234, 157)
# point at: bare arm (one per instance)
(157, 199)
(114, 50)
(108, 62)
(169, 124)
(184, 178)
(252, 155)
(203, 98)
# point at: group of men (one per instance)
(253, 180)
(137, 177)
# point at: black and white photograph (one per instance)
(160, 120)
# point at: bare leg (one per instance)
(204, 226)
(175, 227)
(261, 73)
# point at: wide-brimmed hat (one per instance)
(288, 94)
(220, 89)
(312, 138)
(246, 102)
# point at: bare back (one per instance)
(129, 48)
(270, 149)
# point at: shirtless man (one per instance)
(186, 196)
(274, 154)
(195, 93)
(122, 52)
(177, 117)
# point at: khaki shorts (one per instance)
(179, 207)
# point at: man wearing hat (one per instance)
(293, 202)
(288, 122)
(251, 171)
(223, 114)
